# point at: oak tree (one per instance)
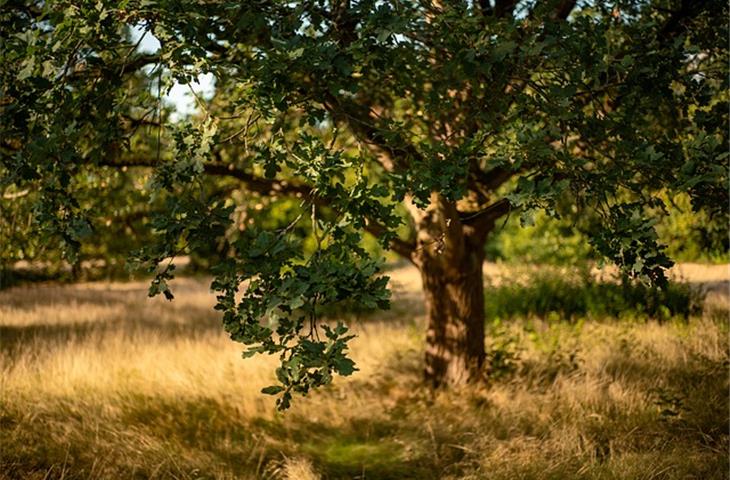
(421, 122)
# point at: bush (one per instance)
(546, 241)
(554, 294)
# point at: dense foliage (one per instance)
(689, 236)
(466, 109)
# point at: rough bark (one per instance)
(455, 336)
(450, 255)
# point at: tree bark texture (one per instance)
(450, 255)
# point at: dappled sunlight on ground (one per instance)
(101, 382)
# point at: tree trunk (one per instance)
(450, 255)
(455, 311)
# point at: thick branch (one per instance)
(555, 10)
(492, 179)
(401, 247)
(257, 184)
(343, 22)
(131, 65)
(676, 23)
(487, 215)
(358, 119)
(266, 186)
(139, 61)
(14, 195)
(562, 9)
(504, 8)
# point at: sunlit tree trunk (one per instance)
(449, 256)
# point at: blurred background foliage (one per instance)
(691, 236)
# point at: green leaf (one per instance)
(344, 366)
(272, 390)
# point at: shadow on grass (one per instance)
(16, 338)
(400, 433)
(65, 296)
(690, 397)
(358, 448)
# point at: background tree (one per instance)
(461, 111)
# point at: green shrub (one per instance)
(551, 295)
(546, 241)
(694, 236)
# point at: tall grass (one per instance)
(99, 382)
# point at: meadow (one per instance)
(100, 382)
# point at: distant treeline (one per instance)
(689, 236)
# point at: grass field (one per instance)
(100, 382)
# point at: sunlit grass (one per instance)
(100, 382)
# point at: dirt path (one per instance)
(715, 279)
(407, 275)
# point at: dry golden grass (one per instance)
(100, 382)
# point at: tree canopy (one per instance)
(463, 111)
